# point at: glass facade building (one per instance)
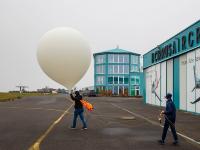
(117, 72)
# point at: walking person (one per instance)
(78, 110)
(170, 119)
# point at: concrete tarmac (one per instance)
(44, 123)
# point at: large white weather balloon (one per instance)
(64, 55)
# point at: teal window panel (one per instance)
(115, 80)
(126, 80)
(110, 80)
(121, 80)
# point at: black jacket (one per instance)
(77, 99)
(170, 110)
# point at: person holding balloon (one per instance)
(78, 110)
(57, 50)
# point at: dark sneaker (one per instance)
(175, 143)
(161, 142)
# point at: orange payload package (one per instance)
(87, 105)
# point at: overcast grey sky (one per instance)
(135, 25)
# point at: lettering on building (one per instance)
(178, 45)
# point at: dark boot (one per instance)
(175, 142)
(161, 142)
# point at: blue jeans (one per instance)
(79, 112)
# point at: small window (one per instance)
(110, 69)
(132, 80)
(120, 80)
(134, 59)
(134, 68)
(110, 58)
(126, 58)
(100, 59)
(126, 69)
(100, 69)
(115, 69)
(116, 58)
(126, 80)
(121, 69)
(110, 80)
(137, 80)
(115, 80)
(100, 80)
(121, 60)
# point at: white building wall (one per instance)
(163, 82)
(148, 86)
(198, 76)
(164, 73)
(153, 75)
(190, 81)
(183, 79)
(157, 78)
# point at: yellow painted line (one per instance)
(36, 145)
(190, 140)
(35, 108)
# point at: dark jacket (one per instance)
(170, 110)
(77, 99)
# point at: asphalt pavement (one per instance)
(115, 124)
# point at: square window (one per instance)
(100, 80)
(137, 80)
(120, 80)
(115, 80)
(132, 80)
(121, 69)
(110, 80)
(110, 69)
(121, 58)
(116, 58)
(134, 59)
(100, 59)
(100, 69)
(115, 69)
(134, 68)
(126, 80)
(126, 69)
(126, 58)
(110, 58)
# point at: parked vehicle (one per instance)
(92, 93)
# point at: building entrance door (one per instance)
(115, 92)
(135, 90)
